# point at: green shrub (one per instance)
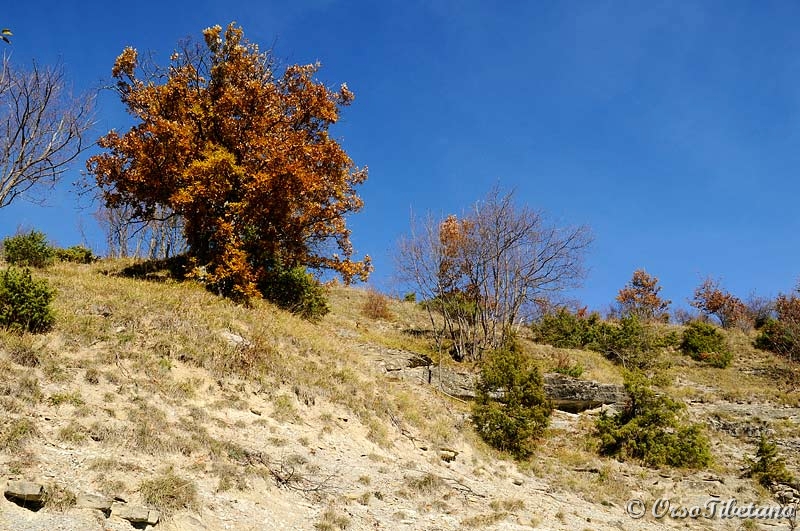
(562, 329)
(77, 254)
(768, 468)
(650, 429)
(29, 249)
(781, 335)
(25, 302)
(564, 365)
(574, 370)
(671, 339)
(297, 291)
(630, 342)
(705, 342)
(510, 410)
(461, 307)
(634, 344)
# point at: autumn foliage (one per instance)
(640, 298)
(711, 299)
(242, 154)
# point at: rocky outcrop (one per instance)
(454, 383)
(575, 395)
(134, 514)
(744, 427)
(32, 495)
(25, 492)
(93, 501)
(567, 393)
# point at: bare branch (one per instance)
(42, 129)
(484, 273)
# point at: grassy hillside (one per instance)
(223, 417)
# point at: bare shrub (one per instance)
(480, 275)
(376, 305)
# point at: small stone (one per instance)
(255, 411)
(93, 501)
(234, 340)
(518, 482)
(25, 491)
(447, 455)
(349, 334)
(132, 513)
(153, 516)
(187, 522)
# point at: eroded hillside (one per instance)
(160, 395)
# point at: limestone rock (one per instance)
(25, 491)
(93, 501)
(743, 427)
(567, 393)
(786, 494)
(447, 455)
(234, 340)
(454, 383)
(575, 395)
(135, 514)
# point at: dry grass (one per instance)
(72, 398)
(284, 409)
(376, 305)
(151, 326)
(59, 498)
(332, 520)
(169, 492)
(15, 433)
(102, 464)
(158, 357)
(595, 366)
(22, 349)
(426, 485)
(753, 375)
(483, 521)
(508, 505)
(409, 328)
(28, 389)
(72, 433)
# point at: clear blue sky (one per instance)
(671, 128)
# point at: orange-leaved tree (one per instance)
(243, 154)
(711, 299)
(640, 298)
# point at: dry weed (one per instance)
(331, 520)
(169, 492)
(58, 498)
(15, 433)
(376, 305)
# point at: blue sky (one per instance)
(670, 128)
